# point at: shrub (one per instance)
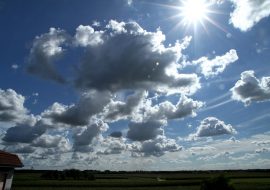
(217, 183)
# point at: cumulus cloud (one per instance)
(14, 66)
(23, 134)
(12, 108)
(157, 147)
(140, 61)
(90, 103)
(48, 141)
(114, 146)
(122, 68)
(262, 150)
(213, 67)
(166, 110)
(20, 148)
(139, 107)
(45, 50)
(251, 89)
(83, 136)
(129, 2)
(87, 36)
(247, 13)
(117, 110)
(212, 126)
(145, 130)
(95, 23)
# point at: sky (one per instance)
(136, 84)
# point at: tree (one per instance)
(217, 183)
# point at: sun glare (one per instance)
(193, 11)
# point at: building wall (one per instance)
(2, 180)
(9, 179)
(6, 177)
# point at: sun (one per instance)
(194, 11)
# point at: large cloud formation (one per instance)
(125, 73)
(249, 12)
(251, 89)
(140, 61)
(212, 126)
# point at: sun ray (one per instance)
(193, 14)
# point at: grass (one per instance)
(111, 188)
(143, 181)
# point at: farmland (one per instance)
(241, 180)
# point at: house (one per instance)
(8, 162)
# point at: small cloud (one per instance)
(228, 35)
(96, 23)
(129, 2)
(15, 66)
(35, 94)
(35, 101)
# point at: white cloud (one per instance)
(15, 66)
(213, 67)
(48, 141)
(262, 150)
(129, 2)
(113, 146)
(166, 110)
(35, 94)
(87, 36)
(251, 89)
(12, 108)
(20, 148)
(47, 48)
(157, 147)
(212, 126)
(96, 23)
(247, 13)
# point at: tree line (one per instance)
(67, 175)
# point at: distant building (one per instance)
(7, 164)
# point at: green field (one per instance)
(241, 180)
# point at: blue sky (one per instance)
(132, 84)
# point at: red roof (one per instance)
(9, 160)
